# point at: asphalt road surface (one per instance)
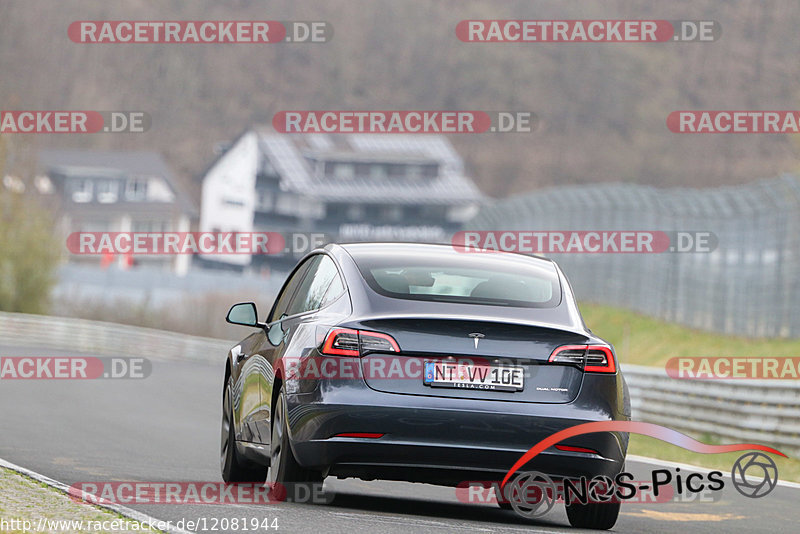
(166, 428)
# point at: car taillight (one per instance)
(592, 358)
(348, 342)
(341, 342)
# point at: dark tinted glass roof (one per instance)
(441, 273)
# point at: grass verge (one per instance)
(788, 468)
(642, 340)
(27, 505)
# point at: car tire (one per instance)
(235, 468)
(285, 473)
(505, 505)
(598, 516)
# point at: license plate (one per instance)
(470, 376)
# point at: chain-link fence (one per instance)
(749, 285)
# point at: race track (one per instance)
(166, 428)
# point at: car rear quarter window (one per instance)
(334, 290)
(311, 294)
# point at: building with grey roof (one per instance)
(359, 187)
(116, 191)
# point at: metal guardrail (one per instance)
(109, 339)
(760, 411)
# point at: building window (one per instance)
(82, 190)
(391, 213)
(136, 189)
(264, 199)
(343, 171)
(95, 226)
(462, 213)
(288, 204)
(396, 170)
(431, 171)
(107, 191)
(355, 212)
(313, 208)
(432, 212)
(233, 202)
(378, 172)
(150, 226)
(413, 172)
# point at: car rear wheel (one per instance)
(284, 470)
(504, 504)
(234, 467)
(600, 516)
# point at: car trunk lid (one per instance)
(463, 352)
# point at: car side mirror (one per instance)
(244, 314)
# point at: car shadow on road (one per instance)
(434, 509)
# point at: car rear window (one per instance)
(508, 281)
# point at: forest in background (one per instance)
(601, 107)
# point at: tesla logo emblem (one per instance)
(476, 337)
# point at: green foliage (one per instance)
(643, 340)
(29, 255)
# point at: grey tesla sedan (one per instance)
(422, 363)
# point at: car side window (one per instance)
(312, 292)
(285, 296)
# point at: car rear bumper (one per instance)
(449, 440)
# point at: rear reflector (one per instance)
(348, 342)
(592, 358)
(359, 435)
(570, 448)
